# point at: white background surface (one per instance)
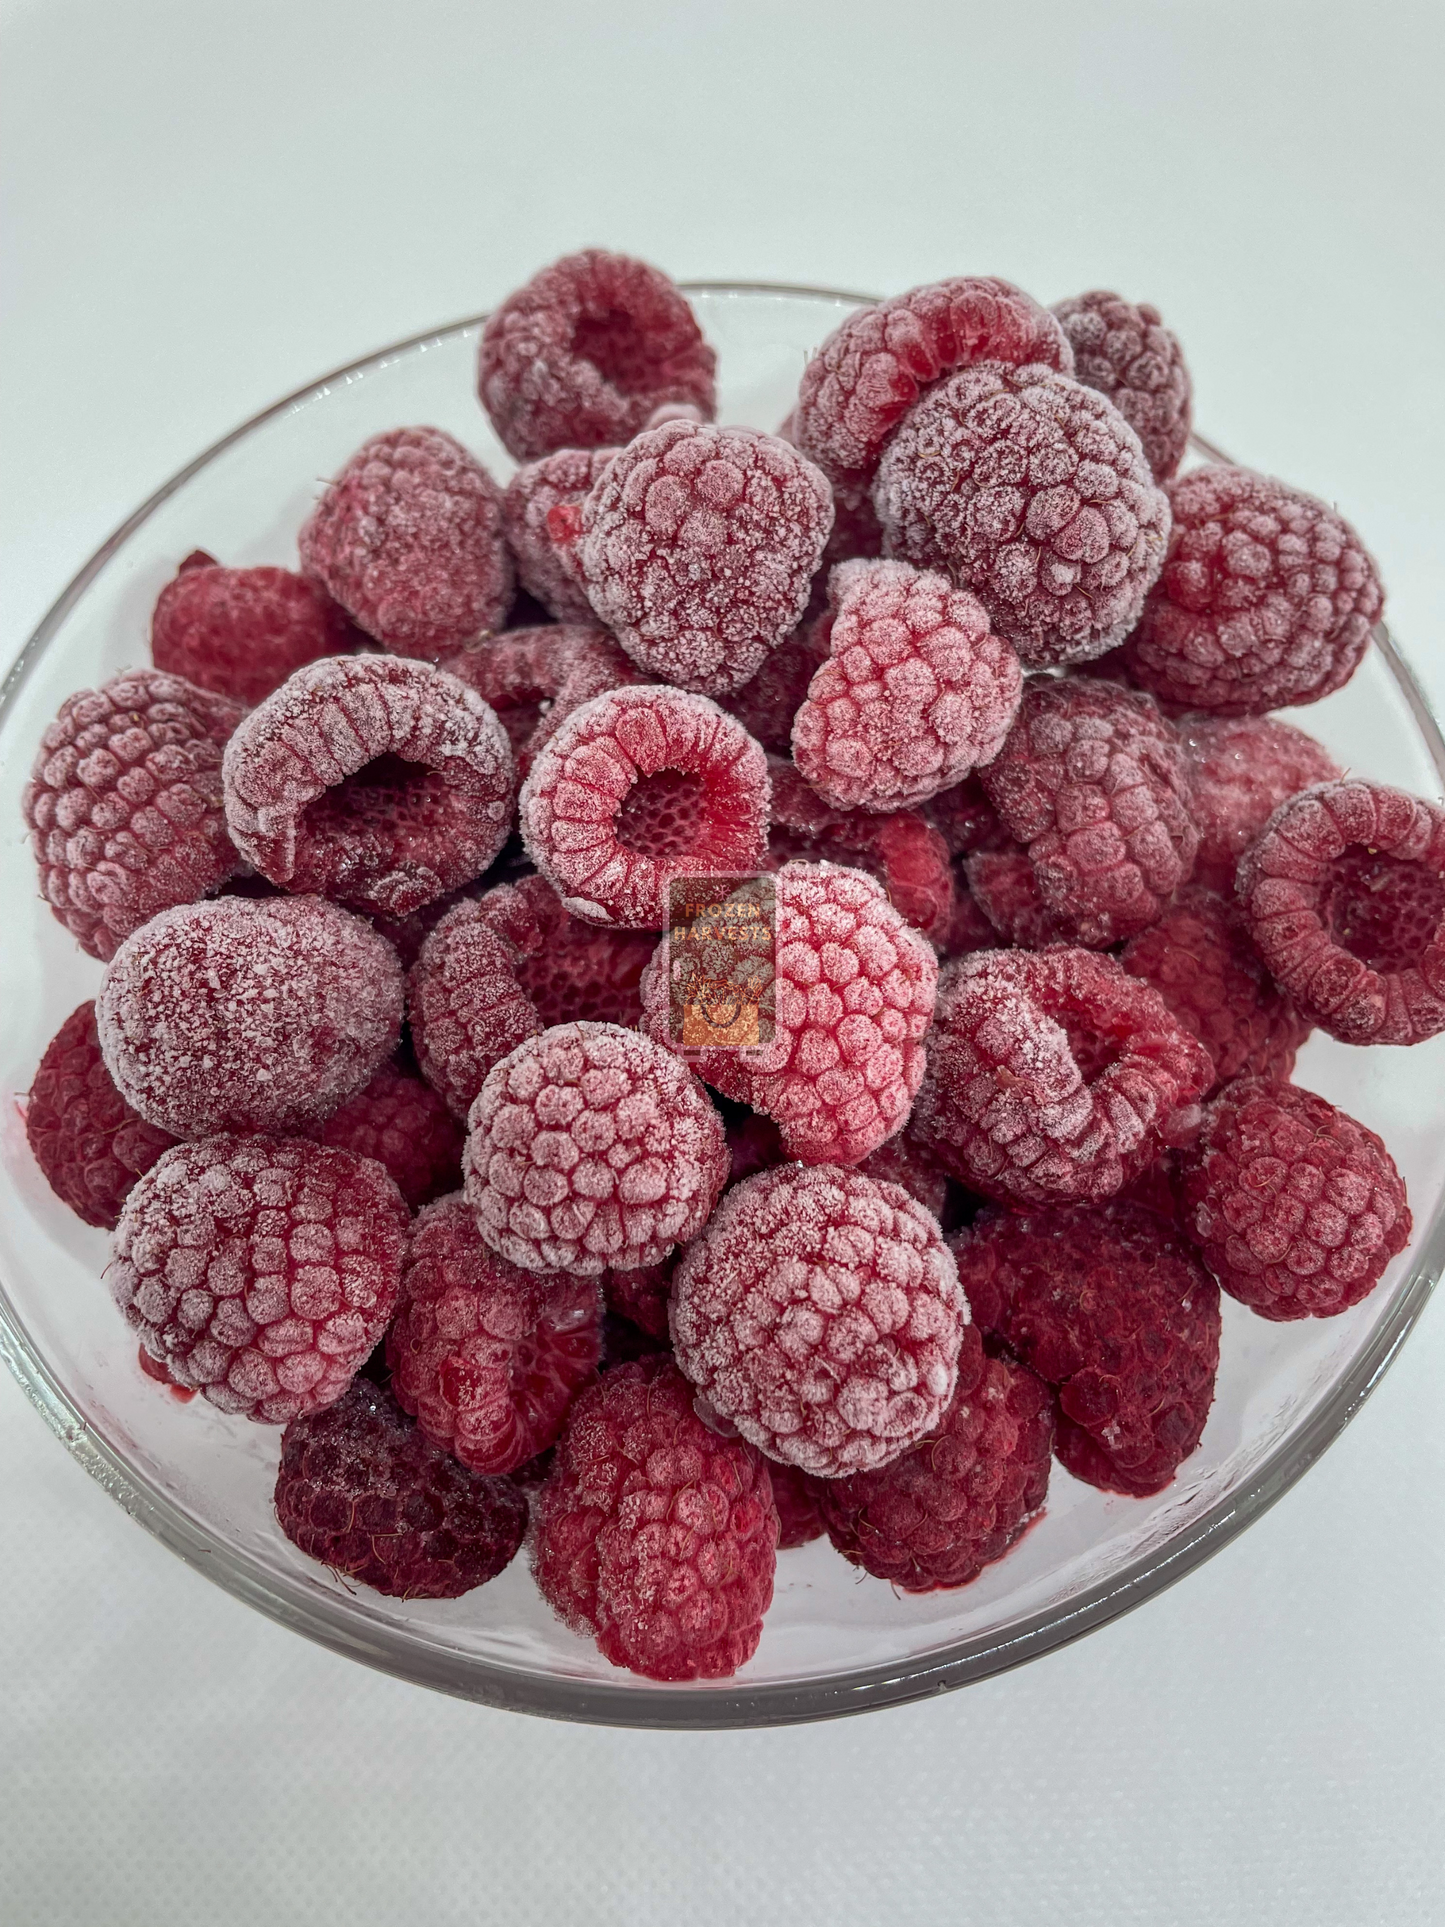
(207, 204)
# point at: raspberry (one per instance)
(1092, 780)
(591, 1148)
(961, 1497)
(1267, 598)
(1053, 1076)
(1111, 1306)
(556, 482)
(373, 779)
(404, 1125)
(916, 691)
(1033, 492)
(624, 1342)
(572, 971)
(1241, 768)
(697, 547)
(653, 1533)
(820, 1314)
(641, 1295)
(124, 804)
(485, 1357)
(89, 1143)
(465, 1006)
(241, 632)
(1127, 353)
(1343, 893)
(903, 1162)
(535, 678)
(261, 1271)
(637, 787)
(586, 351)
(245, 1015)
(155, 1369)
(1295, 1207)
(361, 1490)
(798, 1501)
(966, 820)
(1004, 885)
(854, 991)
(767, 704)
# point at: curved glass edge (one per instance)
(702, 1708)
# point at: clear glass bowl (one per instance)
(835, 1642)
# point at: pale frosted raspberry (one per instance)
(1128, 354)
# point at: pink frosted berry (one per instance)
(242, 632)
(555, 483)
(1128, 354)
(1241, 768)
(535, 678)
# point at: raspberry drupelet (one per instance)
(1005, 886)
(1295, 1207)
(241, 632)
(124, 804)
(1343, 894)
(1126, 353)
(768, 702)
(587, 352)
(535, 678)
(404, 1124)
(1241, 768)
(379, 781)
(261, 1271)
(556, 482)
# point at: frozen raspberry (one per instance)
(798, 1501)
(641, 1295)
(917, 690)
(624, 1342)
(155, 1369)
(1267, 598)
(1053, 1076)
(1093, 782)
(966, 820)
(124, 804)
(1295, 1207)
(637, 787)
(535, 678)
(591, 1148)
(260, 1270)
(1033, 492)
(372, 779)
(968, 928)
(403, 1124)
(241, 1015)
(902, 1161)
(465, 1006)
(820, 1314)
(963, 1495)
(87, 1140)
(1006, 889)
(1128, 354)
(1241, 768)
(361, 1489)
(557, 482)
(585, 353)
(654, 1534)
(241, 632)
(486, 1357)
(572, 971)
(1343, 894)
(767, 704)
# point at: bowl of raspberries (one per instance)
(746, 1023)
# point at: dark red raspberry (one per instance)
(535, 678)
(1128, 354)
(591, 1148)
(1241, 768)
(87, 1140)
(557, 482)
(904, 1162)
(654, 1534)
(572, 971)
(637, 787)
(155, 1369)
(1295, 1207)
(1005, 887)
(376, 780)
(767, 704)
(465, 1005)
(1343, 893)
(1267, 598)
(402, 1123)
(856, 530)
(961, 1497)
(1053, 1076)
(486, 1357)
(408, 539)
(624, 1342)
(1111, 1306)
(798, 1501)
(124, 804)
(966, 820)
(247, 1015)
(641, 1295)
(754, 1144)
(260, 1270)
(1092, 781)
(362, 1490)
(968, 928)
(586, 352)
(241, 632)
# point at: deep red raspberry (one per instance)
(856, 529)
(1092, 781)
(637, 787)
(1127, 353)
(1111, 1306)
(966, 820)
(466, 1008)
(535, 678)
(1005, 887)
(572, 971)
(1295, 1207)
(241, 632)
(586, 352)
(362, 1490)
(1241, 768)
(1267, 598)
(641, 1295)
(1343, 893)
(376, 780)
(484, 1356)
(961, 1497)
(260, 1270)
(124, 804)
(624, 1342)
(591, 1148)
(654, 1534)
(402, 1123)
(820, 1314)
(248, 1015)
(1053, 1076)
(798, 1501)
(767, 704)
(968, 928)
(557, 482)
(904, 1162)
(155, 1369)
(90, 1144)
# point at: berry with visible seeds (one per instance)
(402, 1123)
(1127, 353)
(798, 1500)
(1241, 768)
(555, 483)
(241, 632)
(535, 678)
